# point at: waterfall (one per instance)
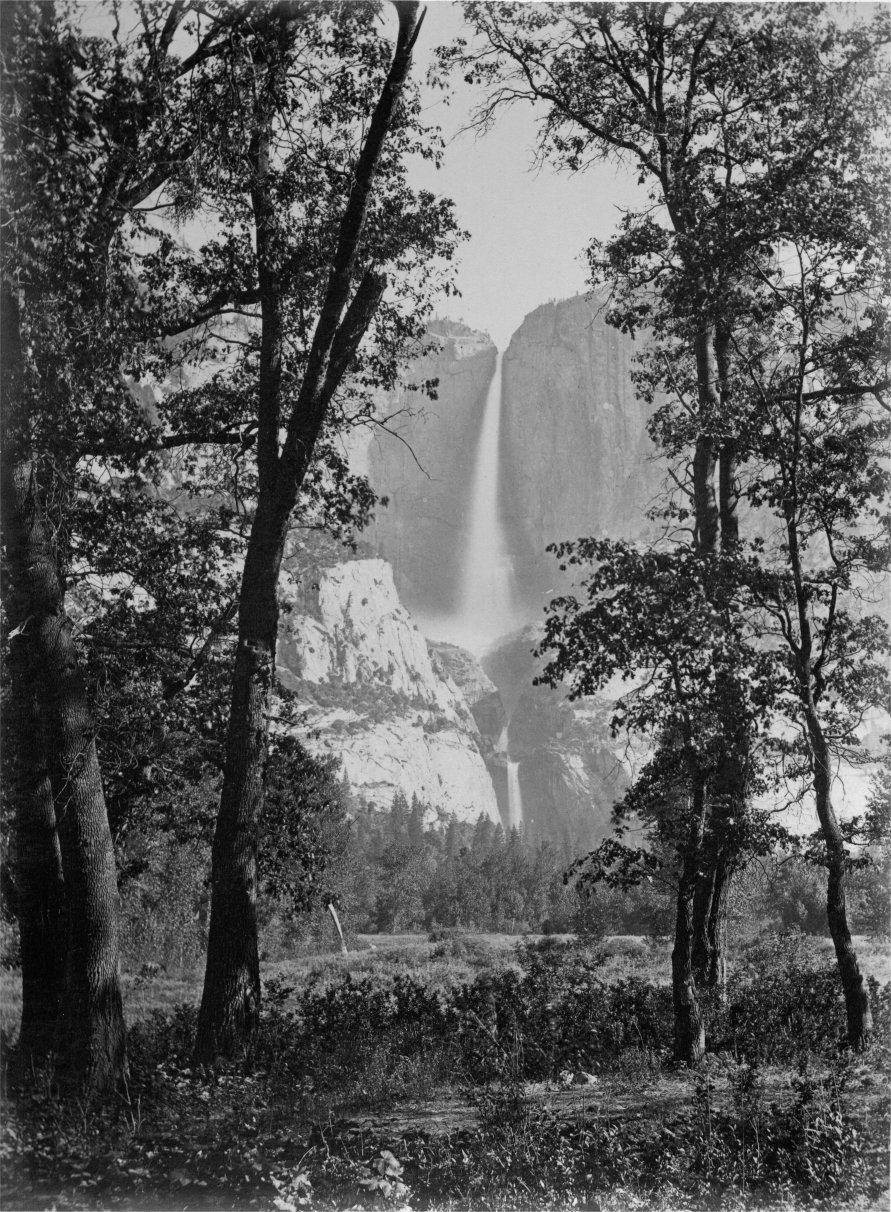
(486, 591)
(514, 796)
(486, 605)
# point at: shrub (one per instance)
(799, 1008)
(442, 934)
(809, 1151)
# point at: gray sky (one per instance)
(528, 228)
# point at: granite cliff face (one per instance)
(570, 773)
(576, 457)
(425, 464)
(573, 458)
(375, 696)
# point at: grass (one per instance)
(477, 1071)
(442, 964)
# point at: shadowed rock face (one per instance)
(479, 690)
(575, 452)
(425, 465)
(570, 776)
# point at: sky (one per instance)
(528, 228)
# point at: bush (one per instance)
(443, 934)
(473, 951)
(810, 1151)
(800, 1008)
(271, 1126)
(558, 1013)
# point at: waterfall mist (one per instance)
(487, 606)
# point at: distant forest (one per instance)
(386, 872)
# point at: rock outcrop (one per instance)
(424, 462)
(570, 775)
(576, 457)
(374, 696)
(479, 691)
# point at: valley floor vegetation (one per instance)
(461, 1070)
(171, 447)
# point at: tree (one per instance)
(724, 113)
(650, 618)
(318, 277)
(818, 365)
(415, 824)
(94, 127)
(303, 830)
(97, 127)
(68, 187)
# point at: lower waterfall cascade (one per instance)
(514, 796)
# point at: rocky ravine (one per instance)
(375, 696)
(570, 770)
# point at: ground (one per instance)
(477, 1071)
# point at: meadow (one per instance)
(459, 1071)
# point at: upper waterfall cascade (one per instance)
(487, 607)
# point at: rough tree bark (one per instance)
(38, 888)
(91, 1026)
(857, 1008)
(710, 923)
(231, 997)
(689, 1027)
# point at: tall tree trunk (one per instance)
(230, 1001)
(857, 1008)
(705, 456)
(728, 497)
(710, 923)
(716, 930)
(93, 1044)
(38, 885)
(717, 520)
(230, 1004)
(859, 1015)
(703, 895)
(92, 1034)
(727, 810)
(689, 1027)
